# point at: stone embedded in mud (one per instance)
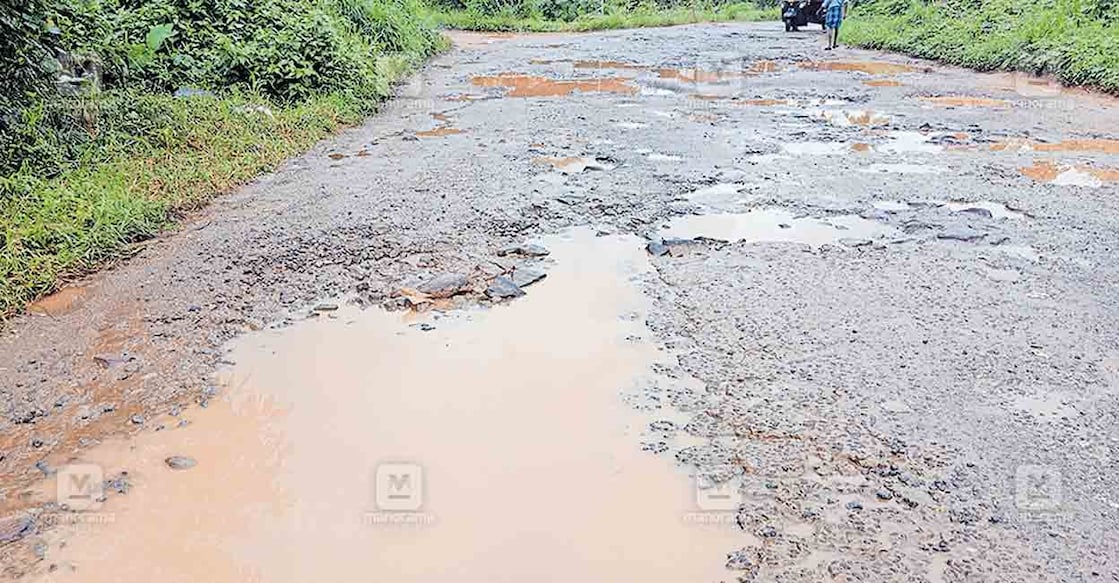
(960, 234)
(503, 288)
(179, 462)
(444, 285)
(526, 249)
(13, 528)
(120, 484)
(525, 276)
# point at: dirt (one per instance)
(878, 351)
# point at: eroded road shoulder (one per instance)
(695, 299)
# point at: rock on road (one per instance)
(891, 284)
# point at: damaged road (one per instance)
(693, 303)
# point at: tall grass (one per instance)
(1077, 41)
(83, 176)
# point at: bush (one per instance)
(1075, 40)
(117, 50)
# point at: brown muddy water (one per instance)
(495, 446)
(869, 67)
(60, 302)
(1069, 174)
(519, 85)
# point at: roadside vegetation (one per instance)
(1076, 41)
(119, 115)
(585, 15)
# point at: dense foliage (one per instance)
(1075, 40)
(115, 114)
(572, 10)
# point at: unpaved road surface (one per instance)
(806, 316)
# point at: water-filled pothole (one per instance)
(520, 85)
(777, 225)
(484, 446)
(1070, 174)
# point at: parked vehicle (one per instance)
(798, 13)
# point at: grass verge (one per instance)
(67, 225)
(615, 18)
(1056, 38)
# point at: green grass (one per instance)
(1063, 38)
(612, 18)
(63, 226)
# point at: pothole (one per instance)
(869, 67)
(61, 302)
(966, 101)
(573, 164)
(778, 225)
(434, 442)
(1075, 145)
(520, 85)
(1070, 175)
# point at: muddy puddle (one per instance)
(572, 164)
(869, 67)
(61, 302)
(1104, 146)
(518, 85)
(445, 128)
(1070, 174)
(777, 225)
(718, 74)
(477, 445)
(966, 101)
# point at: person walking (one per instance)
(834, 13)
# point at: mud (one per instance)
(917, 379)
(868, 67)
(368, 375)
(533, 86)
(61, 302)
(966, 101)
(1070, 175)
